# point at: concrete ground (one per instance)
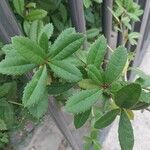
(48, 137)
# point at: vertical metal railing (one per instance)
(142, 27)
(107, 20)
(77, 17)
(8, 24)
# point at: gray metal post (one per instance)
(107, 20)
(8, 24)
(77, 17)
(9, 28)
(143, 28)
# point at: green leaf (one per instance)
(14, 66)
(43, 42)
(82, 101)
(140, 73)
(26, 27)
(31, 5)
(94, 132)
(48, 30)
(34, 90)
(106, 119)
(5, 88)
(145, 97)
(87, 146)
(59, 88)
(66, 71)
(2, 125)
(11, 52)
(125, 132)
(98, 1)
(97, 52)
(59, 25)
(132, 36)
(63, 12)
(39, 109)
(29, 50)
(133, 17)
(140, 106)
(19, 6)
(6, 112)
(81, 118)
(66, 44)
(145, 83)
(36, 14)
(116, 64)
(126, 22)
(115, 86)
(92, 33)
(128, 96)
(3, 138)
(95, 74)
(87, 3)
(87, 84)
(96, 145)
(35, 29)
(142, 78)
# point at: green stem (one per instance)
(15, 103)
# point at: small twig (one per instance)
(110, 48)
(147, 109)
(15, 103)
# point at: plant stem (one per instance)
(15, 103)
(110, 48)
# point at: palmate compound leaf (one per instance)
(66, 71)
(97, 52)
(83, 100)
(116, 64)
(106, 119)
(39, 109)
(29, 49)
(15, 66)
(81, 118)
(66, 44)
(95, 74)
(34, 90)
(128, 95)
(125, 131)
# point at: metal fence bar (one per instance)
(6, 32)
(144, 24)
(77, 17)
(107, 20)
(7, 22)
